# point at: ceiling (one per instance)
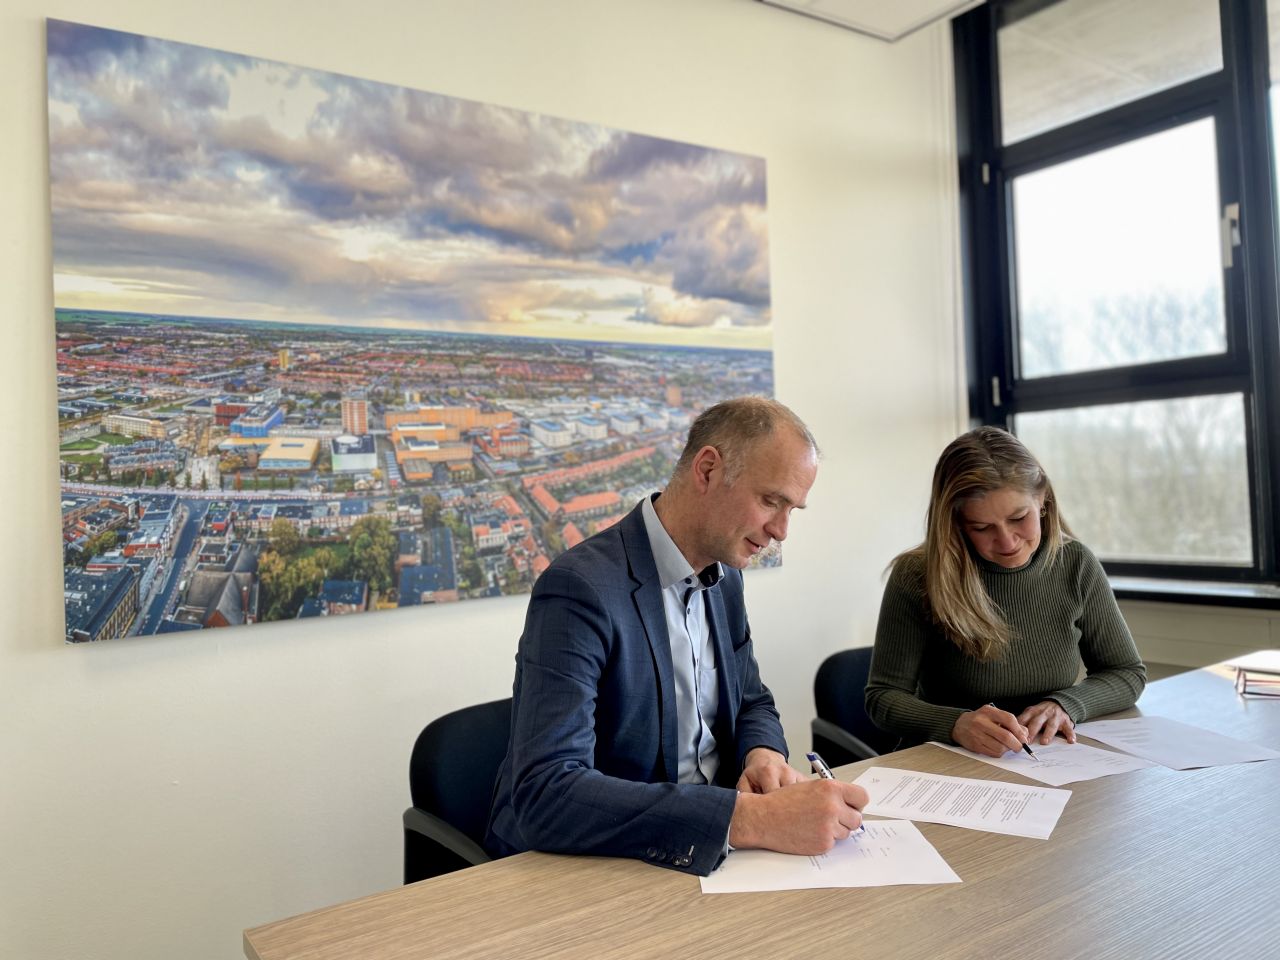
(888, 20)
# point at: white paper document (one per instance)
(1261, 661)
(1173, 744)
(1058, 762)
(886, 852)
(1011, 808)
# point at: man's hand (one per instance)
(766, 770)
(989, 731)
(1047, 719)
(805, 818)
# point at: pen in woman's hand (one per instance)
(1024, 744)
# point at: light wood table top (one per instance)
(1148, 865)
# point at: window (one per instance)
(1118, 181)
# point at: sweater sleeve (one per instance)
(1114, 673)
(902, 636)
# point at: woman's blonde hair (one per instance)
(973, 465)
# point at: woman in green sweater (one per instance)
(987, 627)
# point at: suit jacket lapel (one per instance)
(647, 596)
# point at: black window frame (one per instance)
(1237, 98)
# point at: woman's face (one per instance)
(1003, 525)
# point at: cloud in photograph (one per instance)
(234, 186)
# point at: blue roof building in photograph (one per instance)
(344, 596)
(99, 606)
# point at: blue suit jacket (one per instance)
(591, 763)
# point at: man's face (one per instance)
(741, 518)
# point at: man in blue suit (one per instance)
(640, 726)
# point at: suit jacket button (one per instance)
(651, 853)
(681, 861)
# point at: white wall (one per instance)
(161, 794)
(1190, 635)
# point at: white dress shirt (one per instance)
(693, 655)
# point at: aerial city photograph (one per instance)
(328, 346)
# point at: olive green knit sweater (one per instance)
(1063, 617)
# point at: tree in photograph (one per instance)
(288, 583)
(104, 542)
(271, 570)
(373, 552)
(470, 572)
(552, 538)
(284, 537)
(327, 562)
(431, 507)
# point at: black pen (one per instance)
(1024, 746)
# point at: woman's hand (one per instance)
(990, 731)
(1047, 719)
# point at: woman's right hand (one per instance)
(990, 731)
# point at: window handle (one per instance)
(1230, 225)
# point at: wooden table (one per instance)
(1155, 863)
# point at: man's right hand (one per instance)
(805, 818)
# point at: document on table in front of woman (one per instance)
(1010, 808)
(1058, 762)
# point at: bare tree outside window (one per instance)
(1162, 480)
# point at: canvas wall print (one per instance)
(328, 346)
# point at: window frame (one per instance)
(1237, 99)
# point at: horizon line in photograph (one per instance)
(66, 314)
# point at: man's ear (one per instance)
(706, 462)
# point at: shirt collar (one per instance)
(671, 563)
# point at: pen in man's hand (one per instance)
(1024, 746)
(824, 772)
(819, 766)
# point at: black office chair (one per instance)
(451, 774)
(842, 732)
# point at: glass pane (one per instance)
(1117, 256)
(1161, 480)
(1079, 57)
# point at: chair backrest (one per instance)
(839, 693)
(455, 763)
